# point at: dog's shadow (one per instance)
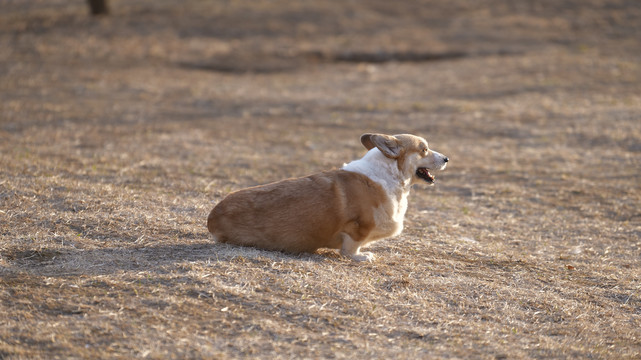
(159, 258)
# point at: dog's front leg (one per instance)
(351, 248)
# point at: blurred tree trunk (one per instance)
(98, 7)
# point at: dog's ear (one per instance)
(388, 145)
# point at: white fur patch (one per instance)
(385, 172)
(379, 168)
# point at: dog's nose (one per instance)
(446, 159)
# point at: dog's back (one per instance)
(301, 214)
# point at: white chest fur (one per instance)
(389, 216)
(389, 220)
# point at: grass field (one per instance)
(119, 134)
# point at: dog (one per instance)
(343, 209)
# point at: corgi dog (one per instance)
(344, 209)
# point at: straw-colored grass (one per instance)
(118, 135)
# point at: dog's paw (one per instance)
(364, 256)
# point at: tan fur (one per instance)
(299, 215)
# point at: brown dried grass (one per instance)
(114, 149)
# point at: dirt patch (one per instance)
(118, 134)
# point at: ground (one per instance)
(118, 135)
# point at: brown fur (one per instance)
(301, 214)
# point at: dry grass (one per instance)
(119, 134)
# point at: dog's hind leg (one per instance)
(351, 248)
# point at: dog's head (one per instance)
(413, 157)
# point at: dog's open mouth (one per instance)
(424, 173)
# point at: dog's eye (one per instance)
(424, 151)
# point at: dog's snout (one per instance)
(446, 159)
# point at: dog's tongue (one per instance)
(429, 175)
(424, 173)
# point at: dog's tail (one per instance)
(213, 226)
(211, 222)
